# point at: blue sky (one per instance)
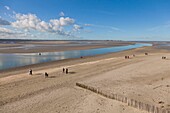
(85, 19)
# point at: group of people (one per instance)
(163, 57)
(127, 57)
(30, 73)
(65, 70)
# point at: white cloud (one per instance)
(26, 24)
(7, 7)
(59, 24)
(29, 21)
(77, 27)
(56, 25)
(8, 33)
(32, 22)
(5, 30)
(61, 14)
(66, 21)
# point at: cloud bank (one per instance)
(31, 21)
(30, 25)
(8, 33)
(77, 27)
(4, 22)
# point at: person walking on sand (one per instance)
(66, 71)
(63, 70)
(30, 72)
(46, 74)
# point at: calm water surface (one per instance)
(16, 60)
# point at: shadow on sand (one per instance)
(71, 72)
(37, 73)
(52, 76)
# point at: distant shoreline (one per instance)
(57, 46)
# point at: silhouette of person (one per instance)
(66, 71)
(30, 72)
(46, 74)
(63, 70)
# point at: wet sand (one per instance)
(55, 46)
(144, 78)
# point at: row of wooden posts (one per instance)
(130, 102)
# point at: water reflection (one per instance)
(15, 60)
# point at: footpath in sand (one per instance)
(141, 77)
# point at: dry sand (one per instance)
(142, 77)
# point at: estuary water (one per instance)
(16, 60)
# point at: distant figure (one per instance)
(66, 71)
(146, 53)
(126, 57)
(163, 57)
(39, 54)
(46, 74)
(30, 72)
(63, 70)
(81, 57)
(133, 55)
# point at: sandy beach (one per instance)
(84, 56)
(143, 77)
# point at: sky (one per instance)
(85, 19)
